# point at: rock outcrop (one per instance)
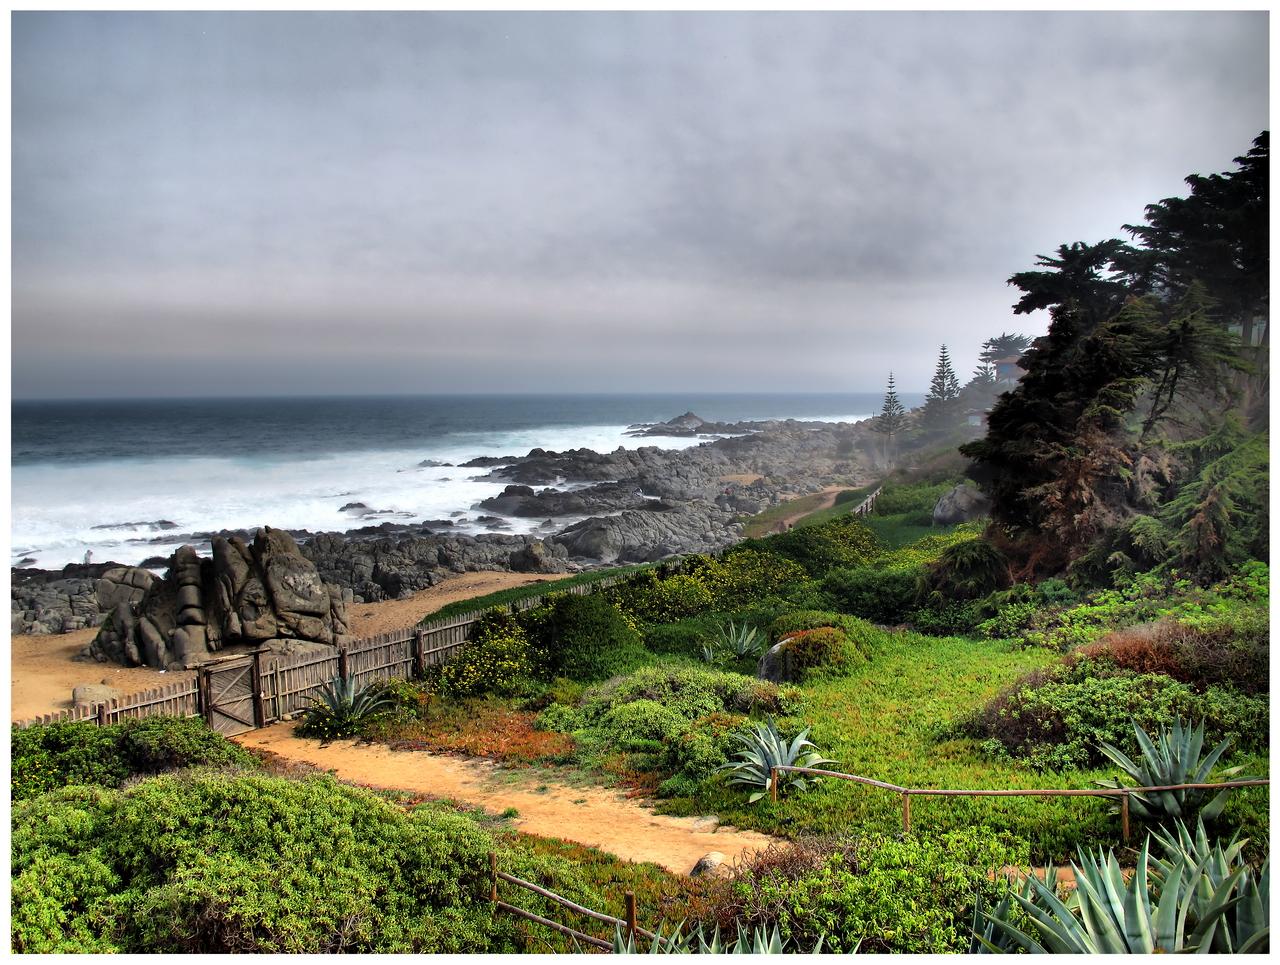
(961, 504)
(248, 593)
(73, 598)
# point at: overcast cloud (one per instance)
(312, 204)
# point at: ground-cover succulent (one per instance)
(1173, 757)
(341, 708)
(764, 748)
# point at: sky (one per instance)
(309, 204)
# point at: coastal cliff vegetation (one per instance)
(1109, 584)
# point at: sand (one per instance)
(593, 816)
(44, 673)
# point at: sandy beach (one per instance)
(44, 672)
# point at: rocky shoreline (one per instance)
(599, 509)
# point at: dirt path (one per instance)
(368, 619)
(593, 816)
(828, 500)
(43, 672)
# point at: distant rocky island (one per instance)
(627, 506)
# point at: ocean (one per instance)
(95, 476)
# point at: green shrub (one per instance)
(874, 592)
(968, 570)
(495, 660)
(682, 638)
(559, 717)
(692, 692)
(1011, 620)
(704, 746)
(215, 864)
(584, 638)
(861, 635)
(874, 892)
(946, 618)
(841, 542)
(825, 651)
(642, 725)
(1057, 719)
(653, 600)
(745, 575)
(49, 756)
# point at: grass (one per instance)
(887, 722)
(897, 531)
(504, 598)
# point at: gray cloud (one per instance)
(485, 201)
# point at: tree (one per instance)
(892, 419)
(1003, 346)
(940, 409)
(1218, 236)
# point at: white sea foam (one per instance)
(57, 506)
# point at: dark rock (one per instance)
(961, 504)
(245, 593)
(161, 524)
(351, 507)
(433, 464)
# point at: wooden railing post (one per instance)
(773, 784)
(493, 876)
(255, 676)
(342, 663)
(630, 898)
(420, 652)
(906, 812)
(102, 714)
(1124, 816)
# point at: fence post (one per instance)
(630, 897)
(906, 811)
(255, 675)
(420, 652)
(493, 876)
(773, 784)
(102, 714)
(342, 663)
(1124, 815)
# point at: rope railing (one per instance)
(1124, 793)
(629, 925)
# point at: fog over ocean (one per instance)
(211, 464)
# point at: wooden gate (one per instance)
(232, 695)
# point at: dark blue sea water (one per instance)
(207, 464)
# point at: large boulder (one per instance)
(961, 504)
(247, 593)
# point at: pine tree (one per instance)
(940, 409)
(892, 419)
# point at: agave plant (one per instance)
(757, 941)
(709, 654)
(341, 709)
(1172, 758)
(1115, 917)
(1206, 866)
(764, 748)
(741, 641)
(987, 937)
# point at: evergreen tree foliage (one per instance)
(1003, 346)
(940, 409)
(1137, 348)
(892, 420)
